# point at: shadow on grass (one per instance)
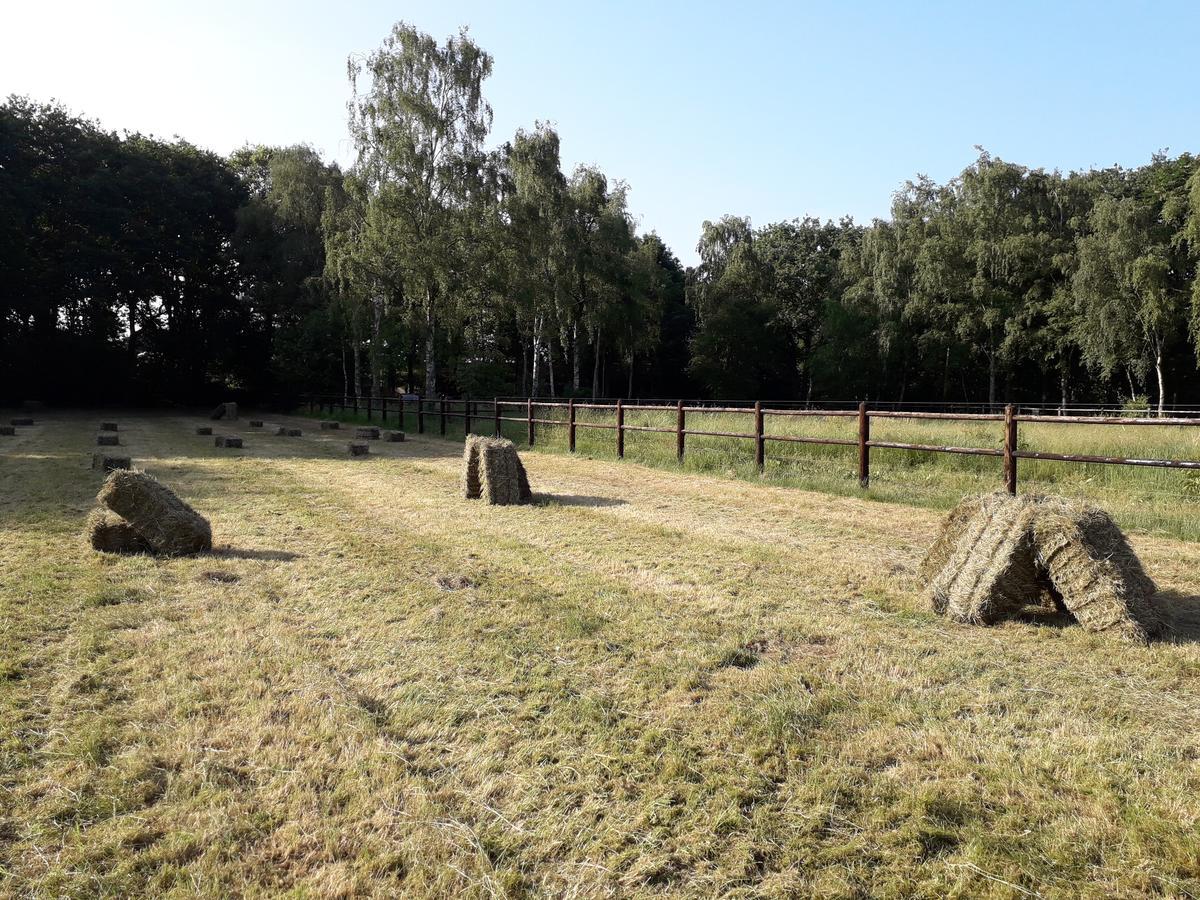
(575, 500)
(269, 555)
(1181, 612)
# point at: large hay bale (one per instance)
(109, 533)
(204, 429)
(228, 441)
(367, 433)
(106, 462)
(7, 430)
(991, 572)
(22, 422)
(108, 426)
(107, 439)
(500, 473)
(358, 448)
(224, 411)
(393, 437)
(330, 426)
(470, 471)
(284, 431)
(1096, 573)
(942, 549)
(156, 512)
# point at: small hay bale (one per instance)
(22, 422)
(204, 429)
(227, 441)
(1093, 569)
(256, 423)
(284, 431)
(156, 512)
(499, 472)
(107, 439)
(330, 426)
(224, 411)
(7, 430)
(109, 533)
(105, 462)
(108, 426)
(470, 472)
(367, 433)
(393, 437)
(358, 448)
(991, 573)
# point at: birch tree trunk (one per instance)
(431, 372)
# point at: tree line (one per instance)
(139, 270)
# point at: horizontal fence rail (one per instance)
(491, 414)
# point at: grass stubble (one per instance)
(647, 682)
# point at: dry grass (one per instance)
(648, 683)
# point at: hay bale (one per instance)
(156, 512)
(256, 423)
(942, 549)
(284, 431)
(358, 448)
(227, 441)
(109, 533)
(21, 422)
(393, 437)
(224, 411)
(500, 473)
(204, 429)
(107, 439)
(108, 426)
(470, 472)
(991, 573)
(105, 462)
(367, 433)
(330, 426)
(1093, 569)
(7, 430)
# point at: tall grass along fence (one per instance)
(930, 455)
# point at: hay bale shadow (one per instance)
(576, 500)
(1181, 613)
(266, 555)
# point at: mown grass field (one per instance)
(1162, 501)
(649, 683)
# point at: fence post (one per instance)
(679, 430)
(400, 414)
(760, 445)
(864, 446)
(496, 410)
(383, 408)
(620, 430)
(1010, 450)
(420, 414)
(466, 415)
(529, 418)
(571, 424)
(356, 400)
(442, 424)
(368, 407)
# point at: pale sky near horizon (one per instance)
(771, 110)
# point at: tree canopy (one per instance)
(134, 269)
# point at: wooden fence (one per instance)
(491, 414)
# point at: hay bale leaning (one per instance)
(1094, 570)
(106, 462)
(470, 470)
(109, 533)
(943, 546)
(156, 512)
(500, 473)
(992, 572)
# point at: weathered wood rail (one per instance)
(476, 412)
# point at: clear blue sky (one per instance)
(772, 110)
